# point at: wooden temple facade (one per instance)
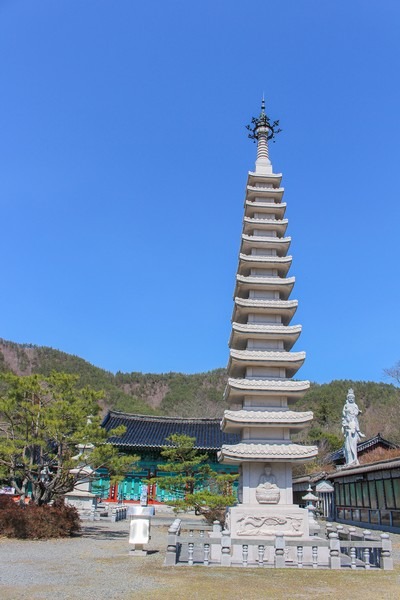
(146, 436)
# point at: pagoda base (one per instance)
(263, 524)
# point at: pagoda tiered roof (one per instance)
(239, 359)
(239, 387)
(283, 285)
(236, 419)
(265, 331)
(272, 178)
(284, 308)
(278, 209)
(280, 244)
(257, 261)
(271, 451)
(278, 225)
(264, 192)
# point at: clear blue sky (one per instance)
(123, 162)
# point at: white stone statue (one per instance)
(267, 492)
(351, 429)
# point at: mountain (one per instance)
(201, 394)
(173, 394)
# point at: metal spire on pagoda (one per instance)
(262, 130)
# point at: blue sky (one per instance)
(123, 162)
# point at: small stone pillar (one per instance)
(386, 554)
(334, 551)
(366, 534)
(226, 558)
(216, 527)
(173, 532)
(279, 550)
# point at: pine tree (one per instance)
(50, 436)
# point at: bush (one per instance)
(37, 522)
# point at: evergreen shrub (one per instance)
(37, 522)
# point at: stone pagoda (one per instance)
(261, 365)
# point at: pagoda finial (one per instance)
(261, 130)
(263, 125)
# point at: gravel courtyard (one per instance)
(97, 566)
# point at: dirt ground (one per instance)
(97, 566)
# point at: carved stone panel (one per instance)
(260, 521)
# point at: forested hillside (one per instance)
(172, 394)
(379, 403)
(201, 394)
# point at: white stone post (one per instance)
(226, 558)
(334, 551)
(279, 551)
(386, 554)
(261, 549)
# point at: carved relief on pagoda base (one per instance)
(266, 521)
(266, 525)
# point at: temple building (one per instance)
(262, 364)
(146, 436)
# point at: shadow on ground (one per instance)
(103, 534)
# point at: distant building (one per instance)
(146, 436)
(366, 495)
(363, 448)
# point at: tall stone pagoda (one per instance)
(261, 365)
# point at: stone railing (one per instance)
(362, 547)
(118, 513)
(207, 545)
(105, 513)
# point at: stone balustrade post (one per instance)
(226, 558)
(173, 532)
(353, 556)
(386, 553)
(315, 557)
(299, 557)
(334, 550)
(366, 534)
(190, 553)
(206, 560)
(216, 527)
(261, 550)
(170, 557)
(279, 550)
(367, 563)
(113, 515)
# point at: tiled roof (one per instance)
(376, 441)
(143, 431)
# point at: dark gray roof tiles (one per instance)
(143, 431)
